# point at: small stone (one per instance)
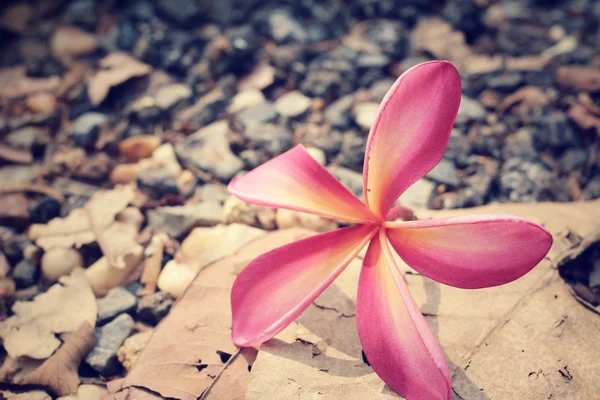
(132, 348)
(339, 112)
(145, 111)
(269, 138)
(592, 189)
(43, 103)
(86, 128)
(179, 11)
(469, 110)
(506, 82)
(58, 262)
(246, 99)
(459, 148)
(444, 172)
(283, 27)
(259, 114)
(117, 301)
(165, 156)
(290, 219)
(25, 274)
(319, 136)
(554, 131)
(292, 104)
(351, 179)
(352, 153)
(214, 192)
(208, 149)
(32, 253)
(14, 209)
(365, 113)
(43, 210)
(186, 183)
(103, 357)
(379, 89)
(169, 96)
(153, 307)
(317, 154)
(157, 182)
(418, 195)
(178, 220)
(139, 147)
(238, 211)
(573, 159)
(175, 277)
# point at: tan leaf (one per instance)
(14, 83)
(580, 77)
(59, 372)
(529, 339)
(261, 77)
(69, 41)
(116, 69)
(201, 323)
(232, 383)
(584, 118)
(33, 395)
(528, 98)
(86, 392)
(63, 308)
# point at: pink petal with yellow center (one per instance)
(277, 286)
(473, 251)
(296, 181)
(410, 133)
(395, 337)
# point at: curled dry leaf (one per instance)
(76, 228)
(528, 97)
(59, 372)
(579, 77)
(63, 308)
(14, 83)
(152, 266)
(116, 69)
(584, 117)
(69, 41)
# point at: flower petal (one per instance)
(277, 286)
(395, 337)
(410, 133)
(473, 251)
(296, 181)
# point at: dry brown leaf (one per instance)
(232, 383)
(529, 97)
(16, 17)
(63, 308)
(79, 227)
(584, 118)
(69, 41)
(59, 372)
(201, 323)
(116, 69)
(16, 368)
(153, 264)
(14, 83)
(33, 395)
(86, 392)
(529, 339)
(580, 77)
(18, 156)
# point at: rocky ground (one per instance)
(176, 97)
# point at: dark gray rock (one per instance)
(506, 82)
(179, 220)
(459, 149)
(351, 179)
(208, 149)
(180, 11)
(573, 159)
(283, 27)
(352, 153)
(259, 114)
(103, 357)
(86, 128)
(117, 301)
(520, 144)
(592, 189)
(469, 110)
(25, 274)
(44, 209)
(527, 181)
(554, 131)
(154, 307)
(158, 182)
(379, 89)
(444, 172)
(339, 113)
(269, 138)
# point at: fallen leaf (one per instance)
(69, 41)
(580, 77)
(201, 322)
(584, 118)
(63, 308)
(232, 382)
(14, 83)
(16, 368)
(116, 69)
(59, 372)
(262, 76)
(16, 17)
(82, 224)
(524, 340)
(528, 98)
(17, 156)
(153, 264)
(33, 395)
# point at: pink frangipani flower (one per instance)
(407, 140)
